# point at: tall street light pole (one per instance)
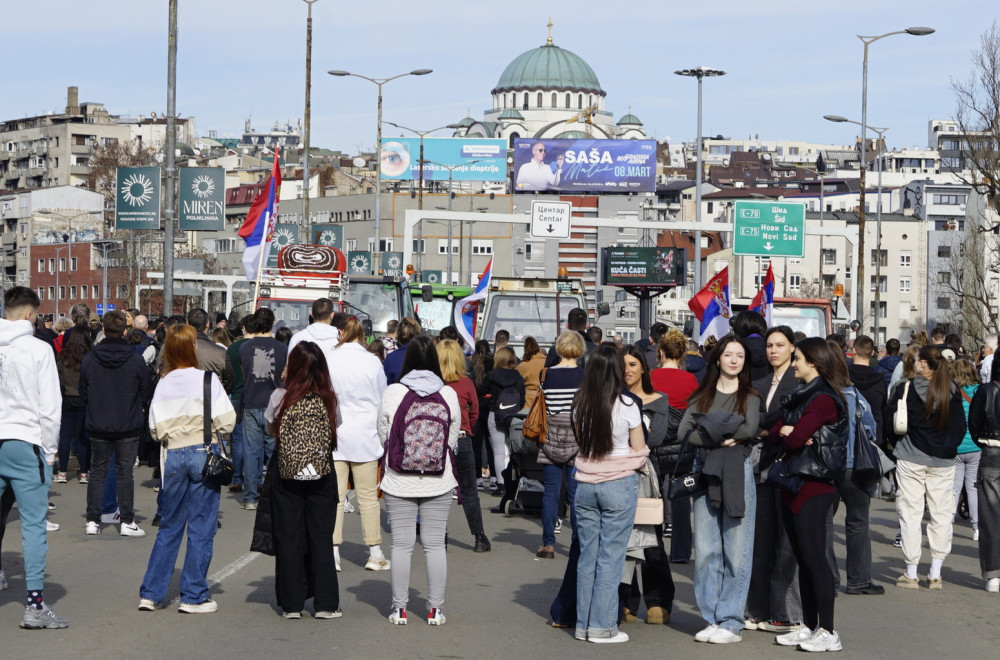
(170, 169)
(451, 195)
(700, 73)
(378, 82)
(860, 274)
(308, 114)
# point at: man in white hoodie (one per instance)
(30, 413)
(319, 331)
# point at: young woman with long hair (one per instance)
(814, 412)
(925, 463)
(612, 447)
(530, 368)
(302, 416)
(186, 500)
(724, 517)
(657, 582)
(359, 381)
(452, 362)
(480, 364)
(72, 430)
(408, 496)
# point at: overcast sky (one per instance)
(788, 62)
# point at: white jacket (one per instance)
(358, 380)
(413, 485)
(30, 396)
(323, 334)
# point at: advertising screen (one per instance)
(643, 266)
(473, 159)
(584, 166)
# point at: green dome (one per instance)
(466, 122)
(549, 67)
(511, 113)
(574, 135)
(629, 120)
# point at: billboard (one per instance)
(137, 198)
(581, 166)
(643, 266)
(400, 158)
(202, 199)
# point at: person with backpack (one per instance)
(419, 421)
(504, 388)
(302, 417)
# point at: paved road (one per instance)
(497, 603)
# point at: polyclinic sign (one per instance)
(137, 198)
(202, 199)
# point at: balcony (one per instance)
(80, 170)
(80, 149)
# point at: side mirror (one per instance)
(603, 309)
(366, 327)
(855, 325)
(427, 293)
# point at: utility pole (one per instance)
(307, 218)
(170, 170)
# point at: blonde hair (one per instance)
(569, 344)
(910, 362)
(964, 372)
(351, 332)
(452, 360)
(504, 358)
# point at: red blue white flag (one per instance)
(258, 228)
(468, 307)
(763, 302)
(711, 306)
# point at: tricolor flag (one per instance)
(711, 306)
(763, 302)
(468, 307)
(258, 228)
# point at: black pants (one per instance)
(807, 532)
(303, 514)
(657, 582)
(124, 450)
(465, 464)
(774, 582)
(857, 532)
(480, 439)
(988, 492)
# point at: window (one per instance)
(579, 102)
(904, 311)
(72, 291)
(882, 282)
(385, 245)
(41, 265)
(371, 244)
(122, 290)
(52, 293)
(567, 101)
(710, 208)
(72, 263)
(62, 264)
(418, 246)
(526, 100)
(539, 99)
(527, 251)
(24, 230)
(904, 285)
(793, 151)
(443, 246)
(62, 293)
(96, 292)
(52, 266)
(944, 251)
(883, 309)
(83, 292)
(480, 246)
(41, 293)
(884, 254)
(553, 99)
(22, 276)
(944, 277)
(829, 257)
(794, 282)
(829, 281)
(352, 244)
(904, 259)
(949, 200)
(944, 303)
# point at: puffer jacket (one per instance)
(829, 443)
(560, 446)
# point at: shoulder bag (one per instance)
(688, 484)
(649, 510)
(777, 475)
(218, 468)
(536, 423)
(900, 421)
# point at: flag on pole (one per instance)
(763, 302)
(258, 228)
(468, 307)
(711, 306)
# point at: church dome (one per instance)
(549, 67)
(629, 120)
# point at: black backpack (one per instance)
(506, 405)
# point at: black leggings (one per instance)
(807, 533)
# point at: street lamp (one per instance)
(878, 215)
(917, 32)
(451, 171)
(378, 82)
(308, 118)
(700, 73)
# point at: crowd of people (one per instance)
(764, 422)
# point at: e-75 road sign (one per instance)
(769, 229)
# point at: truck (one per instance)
(812, 316)
(529, 307)
(307, 272)
(434, 304)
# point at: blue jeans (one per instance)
(553, 476)
(258, 447)
(236, 443)
(724, 557)
(185, 500)
(23, 469)
(605, 513)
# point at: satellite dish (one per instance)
(245, 150)
(359, 162)
(153, 114)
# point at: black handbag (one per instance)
(867, 463)
(688, 484)
(778, 476)
(218, 468)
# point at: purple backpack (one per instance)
(418, 439)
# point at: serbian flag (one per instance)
(763, 302)
(711, 306)
(468, 307)
(258, 228)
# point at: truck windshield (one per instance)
(379, 301)
(524, 315)
(291, 314)
(809, 320)
(435, 314)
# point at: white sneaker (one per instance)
(704, 634)
(147, 605)
(794, 638)
(92, 528)
(336, 562)
(348, 507)
(993, 585)
(821, 641)
(436, 617)
(111, 518)
(51, 526)
(558, 529)
(60, 478)
(131, 529)
(617, 639)
(723, 636)
(398, 616)
(291, 615)
(207, 607)
(377, 564)
(975, 534)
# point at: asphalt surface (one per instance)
(497, 603)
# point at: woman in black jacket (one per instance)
(984, 427)
(925, 463)
(503, 376)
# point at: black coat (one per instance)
(500, 379)
(115, 388)
(926, 438)
(757, 347)
(770, 414)
(872, 386)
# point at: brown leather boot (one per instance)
(658, 616)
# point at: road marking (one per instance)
(226, 571)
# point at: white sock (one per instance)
(376, 551)
(911, 571)
(935, 573)
(336, 553)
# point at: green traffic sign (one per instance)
(769, 229)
